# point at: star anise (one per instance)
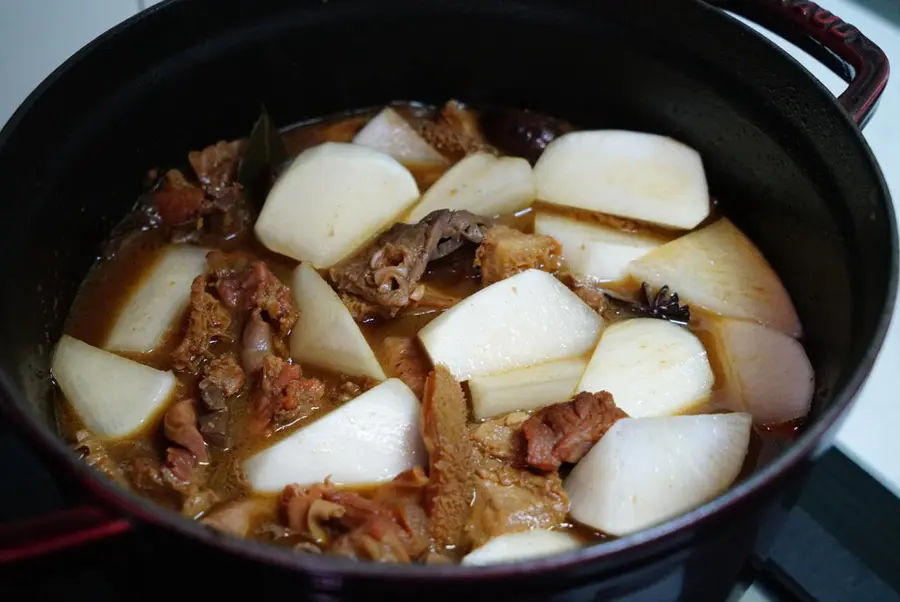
(664, 305)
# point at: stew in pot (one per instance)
(431, 335)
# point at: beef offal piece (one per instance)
(388, 271)
(387, 525)
(448, 495)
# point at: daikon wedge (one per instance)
(512, 547)
(369, 439)
(156, 305)
(647, 470)
(481, 183)
(767, 372)
(652, 368)
(526, 389)
(326, 334)
(719, 269)
(630, 174)
(333, 198)
(594, 252)
(113, 396)
(390, 133)
(528, 319)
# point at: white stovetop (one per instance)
(37, 35)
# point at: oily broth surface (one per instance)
(106, 289)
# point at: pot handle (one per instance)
(44, 535)
(829, 39)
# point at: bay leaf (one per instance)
(263, 157)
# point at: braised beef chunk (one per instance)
(449, 490)
(248, 285)
(388, 271)
(502, 437)
(256, 343)
(508, 496)
(238, 518)
(178, 481)
(264, 291)
(178, 202)
(93, 452)
(144, 474)
(454, 132)
(565, 432)
(388, 525)
(223, 378)
(506, 251)
(281, 394)
(214, 428)
(180, 468)
(225, 270)
(217, 206)
(510, 499)
(208, 321)
(180, 426)
(216, 165)
(405, 359)
(183, 475)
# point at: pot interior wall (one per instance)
(785, 165)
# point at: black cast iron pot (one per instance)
(785, 159)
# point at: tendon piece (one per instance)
(505, 252)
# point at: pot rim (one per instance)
(330, 570)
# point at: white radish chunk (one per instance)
(594, 252)
(647, 470)
(370, 439)
(527, 319)
(481, 183)
(156, 305)
(390, 133)
(333, 198)
(113, 396)
(513, 547)
(325, 334)
(630, 174)
(651, 367)
(721, 270)
(767, 373)
(526, 389)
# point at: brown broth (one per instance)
(109, 284)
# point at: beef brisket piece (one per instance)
(565, 432)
